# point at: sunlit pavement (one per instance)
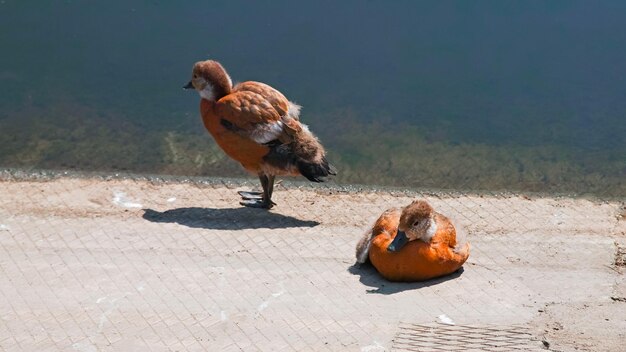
(122, 265)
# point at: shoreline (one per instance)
(44, 175)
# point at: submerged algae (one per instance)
(77, 138)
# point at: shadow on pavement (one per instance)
(370, 277)
(226, 218)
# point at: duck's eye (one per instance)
(195, 76)
(416, 223)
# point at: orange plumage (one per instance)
(246, 151)
(257, 126)
(416, 260)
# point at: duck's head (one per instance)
(417, 222)
(210, 79)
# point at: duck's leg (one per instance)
(270, 186)
(265, 201)
(254, 195)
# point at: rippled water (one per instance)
(479, 95)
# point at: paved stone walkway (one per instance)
(133, 265)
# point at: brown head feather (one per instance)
(416, 219)
(213, 73)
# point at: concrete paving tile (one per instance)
(204, 274)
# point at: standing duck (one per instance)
(414, 243)
(258, 127)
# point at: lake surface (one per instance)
(465, 95)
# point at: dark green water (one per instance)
(467, 95)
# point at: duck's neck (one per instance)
(214, 92)
(221, 84)
(432, 229)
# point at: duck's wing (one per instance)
(288, 110)
(386, 225)
(278, 101)
(446, 231)
(257, 111)
(388, 222)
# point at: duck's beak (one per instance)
(398, 242)
(188, 85)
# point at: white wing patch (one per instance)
(293, 110)
(266, 132)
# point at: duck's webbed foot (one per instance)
(250, 195)
(263, 199)
(258, 203)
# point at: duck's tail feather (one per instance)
(299, 148)
(311, 157)
(363, 247)
(315, 172)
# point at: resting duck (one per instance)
(412, 244)
(258, 127)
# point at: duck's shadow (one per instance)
(370, 277)
(226, 219)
